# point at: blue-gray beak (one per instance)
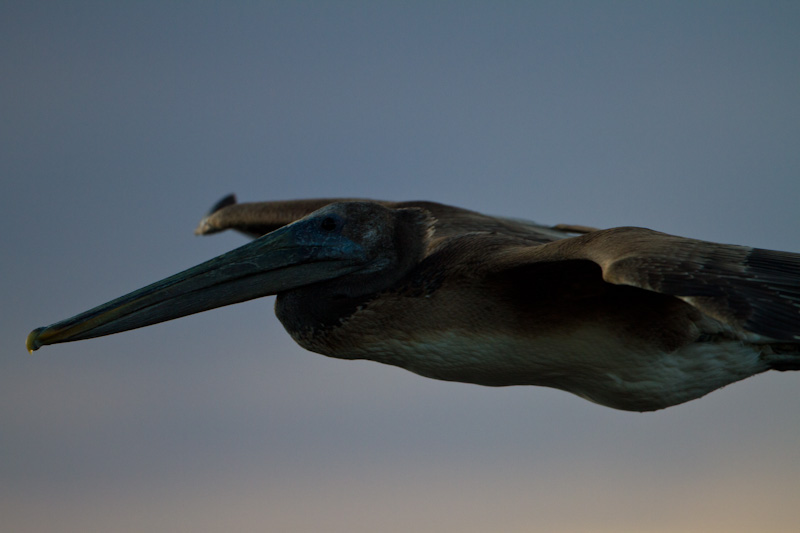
(293, 256)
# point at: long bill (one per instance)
(287, 258)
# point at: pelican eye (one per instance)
(328, 224)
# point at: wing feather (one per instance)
(255, 219)
(751, 289)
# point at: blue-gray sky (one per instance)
(123, 122)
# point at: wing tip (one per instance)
(206, 225)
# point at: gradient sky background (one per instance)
(122, 123)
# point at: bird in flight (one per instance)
(627, 317)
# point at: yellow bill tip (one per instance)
(32, 343)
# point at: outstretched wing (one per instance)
(255, 219)
(751, 289)
(259, 218)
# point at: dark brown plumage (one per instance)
(626, 317)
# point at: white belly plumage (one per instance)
(593, 365)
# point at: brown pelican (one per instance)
(626, 317)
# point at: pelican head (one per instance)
(357, 247)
